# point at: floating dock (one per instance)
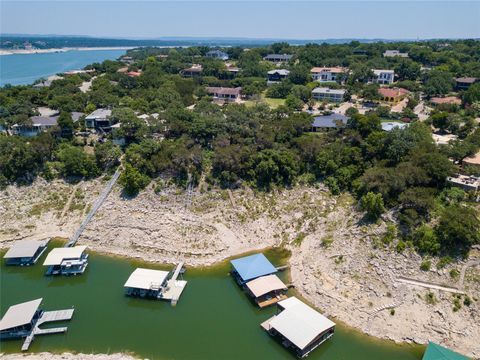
(156, 284)
(174, 287)
(24, 320)
(46, 317)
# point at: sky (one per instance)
(387, 19)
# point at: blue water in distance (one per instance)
(21, 69)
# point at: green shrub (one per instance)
(425, 265)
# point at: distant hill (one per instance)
(21, 41)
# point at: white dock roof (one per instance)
(145, 278)
(58, 255)
(20, 314)
(265, 284)
(24, 248)
(299, 323)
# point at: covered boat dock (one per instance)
(299, 326)
(156, 284)
(23, 321)
(146, 283)
(267, 290)
(25, 252)
(67, 261)
(251, 267)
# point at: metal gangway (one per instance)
(103, 195)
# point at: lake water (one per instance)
(21, 69)
(213, 319)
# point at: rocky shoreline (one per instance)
(340, 264)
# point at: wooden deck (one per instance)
(272, 301)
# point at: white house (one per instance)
(394, 53)
(382, 76)
(327, 74)
(100, 118)
(326, 94)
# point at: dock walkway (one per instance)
(174, 287)
(46, 317)
(103, 196)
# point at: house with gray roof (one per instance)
(331, 121)
(99, 119)
(278, 58)
(330, 95)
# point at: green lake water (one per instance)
(214, 319)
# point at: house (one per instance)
(127, 59)
(76, 115)
(267, 290)
(251, 267)
(193, 71)
(384, 77)
(274, 76)
(223, 93)
(48, 82)
(25, 252)
(232, 70)
(299, 326)
(465, 182)
(326, 94)
(39, 124)
(390, 125)
(99, 119)
(438, 352)
(23, 321)
(448, 100)
(463, 83)
(66, 261)
(332, 121)
(327, 74)
(394, 53)
(217, 54)
(472, 160)
(278, 58)
(392, 95)
(146, 283)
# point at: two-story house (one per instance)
(327, 74)
(383, 77)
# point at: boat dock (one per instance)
(174, 287)
(46, 317)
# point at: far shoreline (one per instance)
(4, 52)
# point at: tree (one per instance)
(426, 241)
(407, 70)
(132, 128)
(294, 103)
(107, 154)
(65, 123)
(458, 228)
(438, 83)
(75, 162)
(373, 204)
(133, 181)
(472, 95)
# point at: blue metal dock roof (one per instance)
(253, 266)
